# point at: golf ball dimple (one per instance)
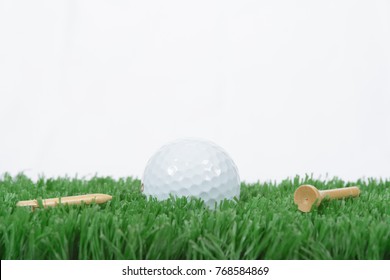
(192, 168)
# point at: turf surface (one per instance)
(263, 224)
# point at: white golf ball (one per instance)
(192, 168)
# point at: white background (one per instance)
(103, 270)
(286, 87)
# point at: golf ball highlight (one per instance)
(192, 168)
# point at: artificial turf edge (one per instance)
(263, 224)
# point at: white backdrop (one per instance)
(286, 87)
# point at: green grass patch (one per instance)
(263, 224)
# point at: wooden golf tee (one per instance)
(307, 195)
(78, 199)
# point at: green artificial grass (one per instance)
(263, 224)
